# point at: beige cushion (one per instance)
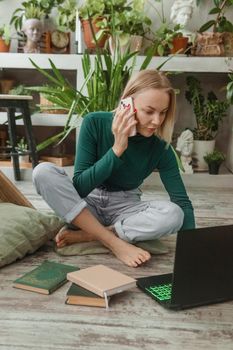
(154, 247)
(23, 230)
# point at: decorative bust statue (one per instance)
(33, 29)
(181, 12)
(185, 147)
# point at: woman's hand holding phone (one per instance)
(124, 123)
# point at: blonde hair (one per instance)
(153, 79)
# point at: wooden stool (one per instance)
(21, 102)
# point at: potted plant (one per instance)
(21, 148)
(128, 26)
(165, 40)
(214, 160)
(209, 112)
(168, 38)
(46, 6)
(116, 20)
(220, 41)
(91, 14)
(104, 80)
(5, 37)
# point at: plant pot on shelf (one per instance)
(88, 36)
(200, 149)
(24, 158)
(180, 44)
(208, 44)
(214, 168)
(3, 46)
(133, 44)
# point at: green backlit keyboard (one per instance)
(161, 292)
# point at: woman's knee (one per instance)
(176, 216)
(43, 173)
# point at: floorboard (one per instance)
(133, 321)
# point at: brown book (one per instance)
(77, 295)
(102, 280)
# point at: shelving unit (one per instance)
(73, 62)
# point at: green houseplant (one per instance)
(30, 9)
(104, 80)
(116, 19)
(43, 6)
(209, 112)
(214, 160)
(67, 15)
(164, 37)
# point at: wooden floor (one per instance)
(134, 321)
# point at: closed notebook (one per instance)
(45, 278)
(77, 295)
(102, 280)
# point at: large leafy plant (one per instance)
(104, 79)
(209, 111)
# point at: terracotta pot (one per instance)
(3, 46)
(6, 85)
(88, 37)
(180, 44)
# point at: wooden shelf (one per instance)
(73, 62)
(41, 119)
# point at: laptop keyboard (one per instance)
(161, 292)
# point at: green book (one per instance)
(45, 278)
(77, 295)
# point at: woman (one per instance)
(103, 201)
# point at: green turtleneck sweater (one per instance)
(96, 164)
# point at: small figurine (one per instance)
(33, 29)
(181, 11)
(185, 147)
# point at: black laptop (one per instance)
(203, 270)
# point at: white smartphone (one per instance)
(125, 103)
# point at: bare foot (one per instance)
(129, 254)
(68, 237)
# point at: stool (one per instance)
(21, 102)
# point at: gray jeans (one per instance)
(134, 220)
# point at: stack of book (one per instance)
(97, 283)
(92, 286)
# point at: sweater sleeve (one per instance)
(172, 181)
(89, 171)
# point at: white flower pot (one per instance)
(24, 159)
(134, 44)
(200, 149)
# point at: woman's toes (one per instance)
(133, 264)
